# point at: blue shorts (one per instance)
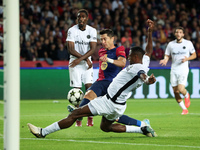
(100, 87)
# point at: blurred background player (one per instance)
(112, 60)
(180, 50)
(81, 43)
(112, 105)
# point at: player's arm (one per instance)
(149, 47)
(147, 79)
(90, 52)
(120, 62)
(164, 61)
(71, 49)
(192, 56)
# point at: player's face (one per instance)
(179, 34)
(82, 20)
(106, 41)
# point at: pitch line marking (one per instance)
(101, 142)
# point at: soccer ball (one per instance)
(75, 96)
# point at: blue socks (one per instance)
(129, 121)
(84, 102)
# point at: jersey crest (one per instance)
(104, 65)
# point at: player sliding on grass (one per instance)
(112, 105)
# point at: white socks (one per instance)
(133, 129)
(182, 105)
(50, 129)
(186, 95)
(142, 124)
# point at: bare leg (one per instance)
(178, 98)
(77, 113)
(108, 126)
(177, 94)
(182, 89)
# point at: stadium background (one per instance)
(44, 56)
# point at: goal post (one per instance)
(11, 74)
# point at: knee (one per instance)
(90, 95)
(176, 92)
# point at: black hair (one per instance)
(84, 11)
(181, 28)
(136, 50)
(109, 32)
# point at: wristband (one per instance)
(110, 60)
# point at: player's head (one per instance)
(82, 18)
(107, 38)
(136, 54)
(179, 33)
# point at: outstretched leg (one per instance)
(109, 126)
(62, 124)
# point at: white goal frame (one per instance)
(11, 74)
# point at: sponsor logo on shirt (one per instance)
(82, 42)
(178, 53)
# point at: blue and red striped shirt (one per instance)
(108, 71)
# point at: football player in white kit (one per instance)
(181, 51)
(81, 43)
(112, 105)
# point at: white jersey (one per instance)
(127, 80)
(178, 51)
(81, 39)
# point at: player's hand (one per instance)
(163, 62)
(152, 79)
(151, 25)
(103, 58)
(89, 63)
(74, 63)
(184, 59)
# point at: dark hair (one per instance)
(136, 50)
(181, 28)
(109, 32)
(84, 11)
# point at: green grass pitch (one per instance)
(175, 131)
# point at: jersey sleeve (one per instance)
(168, 49)
(146, 60)
(120, 51)
(93, 36)
(70, 36)
(192, 49)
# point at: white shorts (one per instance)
(178, 78)
(80, 74)
(103, 107)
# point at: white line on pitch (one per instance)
(101, 142)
